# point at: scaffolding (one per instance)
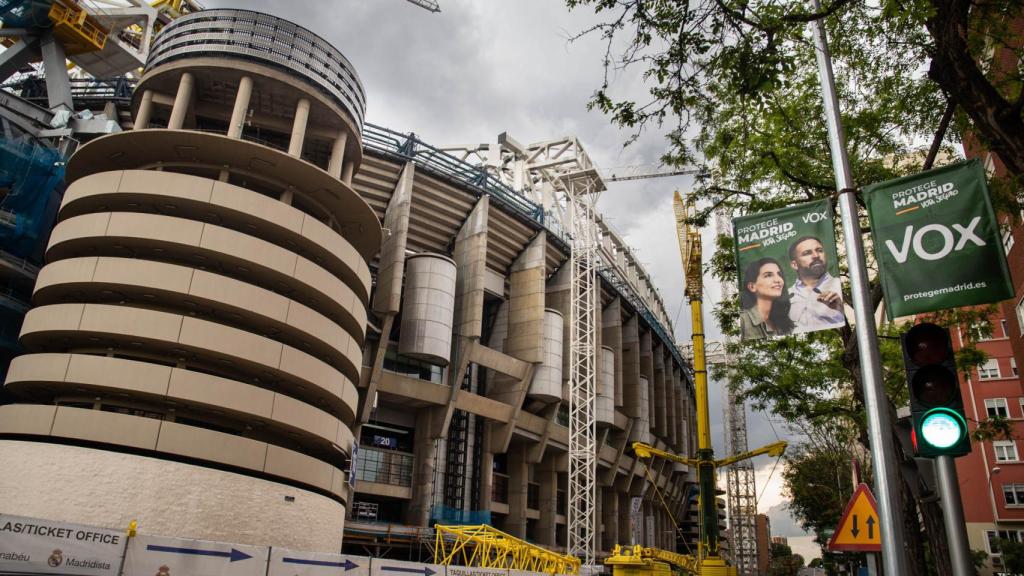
(485, 547)
(741, 491)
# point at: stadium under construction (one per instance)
(256, 318)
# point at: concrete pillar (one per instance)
(182, 101)
(18, 55)
(558, 297)
(611, 335)
(337, 154)
(658, 416)
(470, 257)
(346, 172)
(671, 383)
(55, 65)
(631, 368)
(287, 196)
(145, 111)
(299, 128)
(525, 339)
(387, 297)
(241, 109)
(428, 460)
(625, 518)
(609, 518)
(547, 477)
(486, 470)
(518, 480)
(647, 370)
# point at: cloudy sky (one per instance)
(482, 67)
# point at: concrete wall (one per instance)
(110, 489)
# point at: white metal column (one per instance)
(581, 188)
(741, 489)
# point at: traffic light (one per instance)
(936, 407)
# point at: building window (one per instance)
(1006, 231)
(1013, 366)
(1020, 315)
(989, 370)
(1006, 450)
(1002, 324)
(499, 488)
(997, 407)
(1013, 494)
(978, 330)
(992, 537)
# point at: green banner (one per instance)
(937, 241)
(788, 271)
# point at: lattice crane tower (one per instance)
(581, 189)
(741, 491)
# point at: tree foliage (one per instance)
(734, 84)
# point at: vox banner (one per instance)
(936, 241)
(788, 271)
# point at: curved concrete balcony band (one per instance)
(181, 338)
(44, 377)
(338, 205)
(204, 246)
(158, 285)
(173, 439)
(255, 37)
(223, 204)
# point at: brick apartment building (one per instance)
(992, 476)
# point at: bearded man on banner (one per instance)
(816, 298)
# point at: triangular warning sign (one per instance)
(858, 529)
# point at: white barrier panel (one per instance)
(48, 547)
(285, 562)
(385, 567)
(158, 556)
(471, 571)
(526, 573)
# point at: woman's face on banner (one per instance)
(769, 283)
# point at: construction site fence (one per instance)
(41, 546)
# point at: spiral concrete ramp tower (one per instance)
(197, 331)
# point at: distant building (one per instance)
(780, 540)
(763, 531)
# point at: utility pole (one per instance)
(883, 455)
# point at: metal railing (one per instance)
(384, 466)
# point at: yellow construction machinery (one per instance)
(638, 561)
(482, 546)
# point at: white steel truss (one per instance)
(741, 490)
(581, 189)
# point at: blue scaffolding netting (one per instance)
(33, 176)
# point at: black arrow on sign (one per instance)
(425, 571)
(871, 527)
(854, 530)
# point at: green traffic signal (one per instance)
(936, 406)
(943, 428)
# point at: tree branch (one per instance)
(940, 134)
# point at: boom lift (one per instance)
(709, 561)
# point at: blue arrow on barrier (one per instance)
(347, 564)
(234, 555)
(426, 571)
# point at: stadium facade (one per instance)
(263, 321)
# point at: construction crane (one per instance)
(640, 173)
(709, 561)
(430, 5)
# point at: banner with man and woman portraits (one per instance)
(788, 271)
